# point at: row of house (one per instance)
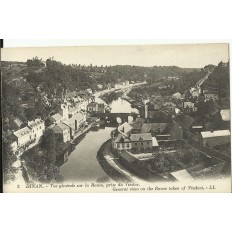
(28, 134)
(66, 125)
(145, 137)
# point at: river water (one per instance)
(82, 164)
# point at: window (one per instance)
(128, 145)
(141, 143)
(147, 143)
(135, 144)
(40, 127)
(118, 145)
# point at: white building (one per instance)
(23, 136)
(37, 128)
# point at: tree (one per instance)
(8, 158)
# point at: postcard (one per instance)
(122, 118)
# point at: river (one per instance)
(82, 164)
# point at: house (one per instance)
(211, 96)
(100, 108)
(73, 110)
(169, 107)
(89, 91)
(23, 136)
(92, 107)
(62, 132)
(75, 122)
(189, 107)
(60, 116)
(55, 118)
(70, 94)
(18, 123)
(125, 129)
(176, 95)
(136, 128)
(141, 143)
(215, 138)
(37, 127)
(122, 143)
(182, 176)
(100, 86)
(225, 114)
(155, 144)
(96, 107)
(164, 131)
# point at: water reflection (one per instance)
(80, 161)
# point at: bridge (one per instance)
(114, 117)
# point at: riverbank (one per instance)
(112, 167)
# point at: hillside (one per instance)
(219, 80)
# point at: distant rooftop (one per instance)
(141, 137)
(182, 176)
(218, 133)
(225, 115)
(22, 132)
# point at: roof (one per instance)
(125, 128)
(136, 125)
(101, 106)
(56, 117)
(60, 127)
(218, 133)
(225, 115)
(139, 137)
(121, 139)
(37, 122)
(140, 120)
(71, 121)
(127, 156)
(154, 142)
(18, 122)
(92, 104)
(22, 132)
(148, 127)
(182, 176)
(188, 104)
(169, 104)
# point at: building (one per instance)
(211, 96)
(92, 107)
(122, 143)
(70, 94)
(189, 107)
(62, 132)
(23, 136)
(37, 127)
(89, 91)
(169, 107)
(182, 176)
(225, 114)
(99, 86)
(176, 95)
(63, 114)
(215, 138)
(164, 131)
(96, 107)
(141, 143)
(75, 122)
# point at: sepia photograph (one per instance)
(122, 118)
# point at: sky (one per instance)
(185, 56)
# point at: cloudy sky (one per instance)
(186, 56)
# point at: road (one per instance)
(97, 94)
